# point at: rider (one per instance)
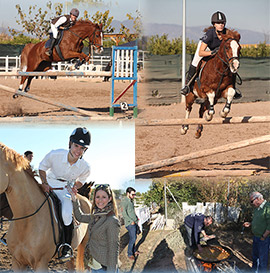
(208, 46)
(62, 22)
(61, 169)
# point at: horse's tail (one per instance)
(80, 254)
(24, 56)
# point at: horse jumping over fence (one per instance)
(217, 79)
(33, 237)
(33, 57)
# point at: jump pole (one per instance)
(193, 121)
(207, 152)
(57, 74)
(47, 101)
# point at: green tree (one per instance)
(36, 22)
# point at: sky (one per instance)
(241, 14)
(111, 154)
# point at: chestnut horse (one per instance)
(31, 237)
(216, 80)
(33, 57)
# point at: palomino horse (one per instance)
(216, 80)
(31, 238)
(33, 57)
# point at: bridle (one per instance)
(227, 60)
(90, 37)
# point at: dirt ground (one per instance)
(161, 250)
(156, 142)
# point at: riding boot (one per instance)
(191, 72)
(237, 94)
(67, 250)
(50, 51)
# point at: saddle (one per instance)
(57, 43)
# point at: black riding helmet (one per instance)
(218, 17)
(81, 136)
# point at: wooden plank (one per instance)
(178, 122)
(48, 101)
(203, 153)
(212, 173)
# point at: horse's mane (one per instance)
(18, 160)
(83, 22)
(231, 34)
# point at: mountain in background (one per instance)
(192, 33)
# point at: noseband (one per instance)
(227, 60)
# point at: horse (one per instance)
(33, 231)
(217, 79)
(33, 57)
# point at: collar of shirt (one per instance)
(262, 204)
(65, 160)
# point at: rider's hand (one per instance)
(214, 51)
(46, 187)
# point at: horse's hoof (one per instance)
(223, 114)
(15, 96)
(184, 129)
(208, 116)
(198, 135)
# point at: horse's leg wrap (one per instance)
(184, 129)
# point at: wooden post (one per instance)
(203, 153)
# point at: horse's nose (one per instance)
(235, 65)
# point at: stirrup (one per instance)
(48, 53)
(185, 90)
(68, 255)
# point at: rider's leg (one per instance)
(68, 224)
(54, 39)
(192, 71)
(237, 94)
(68, 231)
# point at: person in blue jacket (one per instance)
(195, 224)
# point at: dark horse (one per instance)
(33, 57)
(217, 79)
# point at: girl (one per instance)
(208, 46)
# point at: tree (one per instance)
(36, 22)
(137, 27)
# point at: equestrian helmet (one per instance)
(81, 136)
(75, 12)
(218, 17)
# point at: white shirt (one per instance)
(56, 166)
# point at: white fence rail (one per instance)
(218, 211)
(96, 63)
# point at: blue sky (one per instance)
(242, 14)
(111, 153)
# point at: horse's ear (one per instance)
(100, 26)
(237, 37)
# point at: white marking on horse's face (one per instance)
(235, 63)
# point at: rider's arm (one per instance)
(202, 50)
(60, 21)
(43, 177)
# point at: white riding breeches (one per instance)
(197, 58)
(66, 205)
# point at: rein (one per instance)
(27, 216)
(90, 42)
